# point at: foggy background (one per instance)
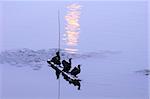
(105, 25)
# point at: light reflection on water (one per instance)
(72, 28)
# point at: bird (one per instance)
(56, 59)
(75, 71)
(66, 65)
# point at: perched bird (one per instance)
(75, 71)
(66, 65)
(56, 59)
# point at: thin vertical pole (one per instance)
(59, 50)
(59, 88)
(59, 29)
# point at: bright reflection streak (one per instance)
(72, 27)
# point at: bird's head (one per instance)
(79, 66)
(70, 59)
(57, 53)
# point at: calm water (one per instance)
(114, 33)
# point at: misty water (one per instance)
(102, 75)
(112, 51)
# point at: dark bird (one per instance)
(66, 65)
(75, 71)
(56, 59)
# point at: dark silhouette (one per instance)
(75, 82)
(75, 71)
(56, 59)
(66, 65)
(55, 63)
